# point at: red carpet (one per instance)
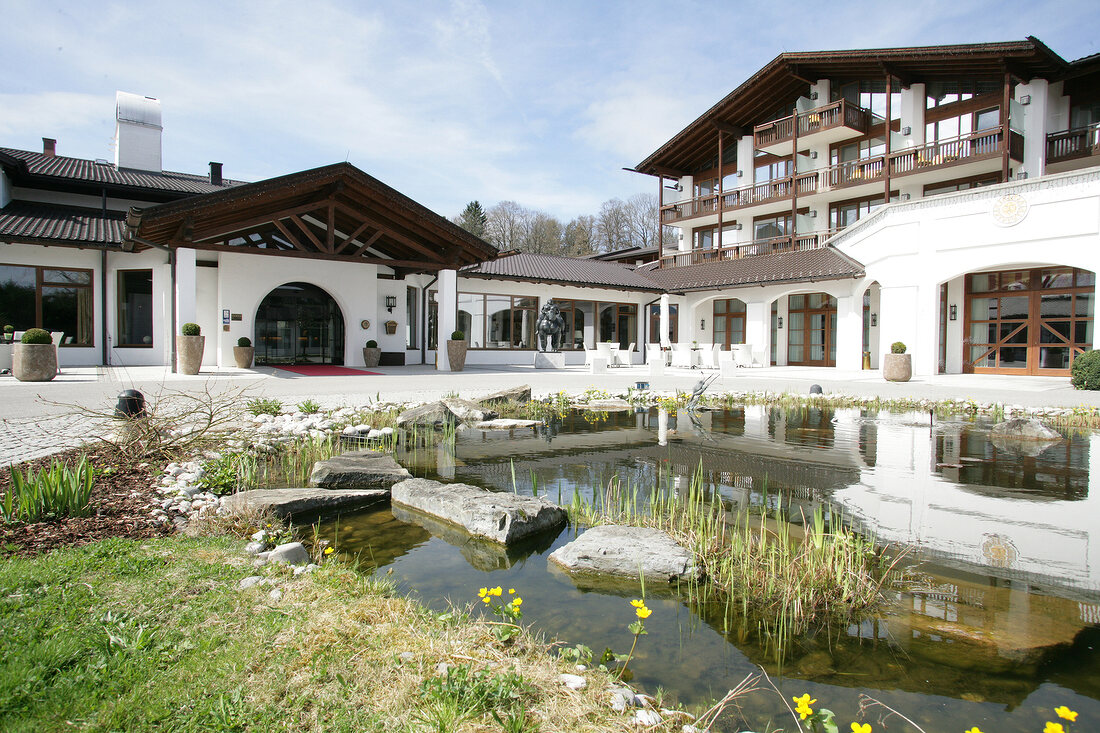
(325, 370)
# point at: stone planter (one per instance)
(456, 353)
(242, 355)
(34, 362)
(190, 353)
(371, 356)
(897, 367)
(5, 357)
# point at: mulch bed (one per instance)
(120, 505)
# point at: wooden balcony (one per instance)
(957, 151)
(778, 189)
(1071, 149)
(789, 243)
(824, 125)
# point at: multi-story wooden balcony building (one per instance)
(815, 143)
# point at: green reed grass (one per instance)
(55, 491)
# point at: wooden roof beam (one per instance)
(237, 225)
(890, 70)
(795, 71)
(727, 127)
(308, 232)
(406, 240)
(289, 236)
(351, 237)
(366, 245)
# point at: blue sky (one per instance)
(445, 100)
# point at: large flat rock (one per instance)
(512, 394)
(301, 502)
(478, 552)
(358, 470)
(500, 517)
(627, 552)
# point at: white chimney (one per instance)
(137, 132)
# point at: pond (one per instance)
(1003, 626)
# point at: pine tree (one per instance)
(473, 219)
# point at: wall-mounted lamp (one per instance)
(813, 155)
(905, 197)
(907, 130)
(391, 302)
(1021, 176)
(738, 174)
(736, 227)
(874, 319)
(1025, 99)
(780, 323)
(675, 187)
(813, 95)
(702, 324)
(812, 214)
(953, 313)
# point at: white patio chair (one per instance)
(681, 355)
(708, 356)
(742, 355)
(625, 357)
(588, 354)
(57, 336)
(654, 354)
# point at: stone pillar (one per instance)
(849, 332)
(186, 307)
(758, 331)
(448, 316)
(664, 320)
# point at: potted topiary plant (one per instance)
(456, 351)
(9, 331)
(243, 352)
(371, 354)
(5, 349)
(897, 366)
(34, 358)
(191, 345)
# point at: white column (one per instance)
(185, 288)
(664, 320)
(758, 330)
(897, 318)
(849, 332)
(1034, 125)
(448, 315)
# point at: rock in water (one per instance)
(514, 394)
(1024, 428)
(433, 414)
(627, 552)
(500, 517)
(301, 502)
(467, 411)
(358, 470)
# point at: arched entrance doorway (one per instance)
(299, 323)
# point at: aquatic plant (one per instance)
(56, 491)
(637, 628)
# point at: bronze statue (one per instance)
(550, 327)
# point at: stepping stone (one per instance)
(627, 552)
(480, 553)
(506, 424)
(496, 516)
(358, 470)
(433, 414)
(301, 502)
(468, 411)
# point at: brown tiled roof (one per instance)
(825, 263)
(35, 223)
(89, 171)
(564, 270)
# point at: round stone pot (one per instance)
(456, 353)
(34, 362)
(242, 355)
(371, 355)
(190, 353)
(897, 367)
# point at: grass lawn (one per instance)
(144, 634)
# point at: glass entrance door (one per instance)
(811, 330)
(299, 323)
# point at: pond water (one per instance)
(1004, 626)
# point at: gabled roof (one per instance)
(35, 223)
(38, 170)
(825, 263)
(789, 76)
(336, 212)
(562, 270)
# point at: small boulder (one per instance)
(1024, 428)
(300, 502)
(358, 470)
(513, 394)
(573, 681)
(291, 553)
(433, 414)
(626, 552)
(467, 411)
(250, 581)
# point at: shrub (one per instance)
(372, 344)
(265, 406)
(191, 329)
(1085, 371)
(458, 336)
(9, 328)
(37, 336)
(56, 491)
(244, 342)
(309, 407)
(897, 347)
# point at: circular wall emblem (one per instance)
(1009, 210)
(364, 324)
(999, 551)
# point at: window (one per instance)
(412, 322)
(655, 323)
(861, 149)
(770, 168)
(497, 321)
(940, 93)
(961, 185)
(49, 298)
(579, 317)
(849, 212)
(771, 227)
(962, 125)
(433, 319)
(135, 309)
(618, 323)
(871, 95)
(729, 322)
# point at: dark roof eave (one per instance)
(765, 283)
(523, 278)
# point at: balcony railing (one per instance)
(774, 190)
(841, 113)
(975, 146)
(1080, 142)
(773, 245)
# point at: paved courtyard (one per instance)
(40, 418)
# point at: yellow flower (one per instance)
(643, 612)
(517, 601)
(638, 604)
(497, 591)
(329, 550)
(973, 730)
(511, 591)
(482, 593)
(1066, 713)
(486, 599)
(803, 705)
(804, 700)
(1054, 728)
(861, 728)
